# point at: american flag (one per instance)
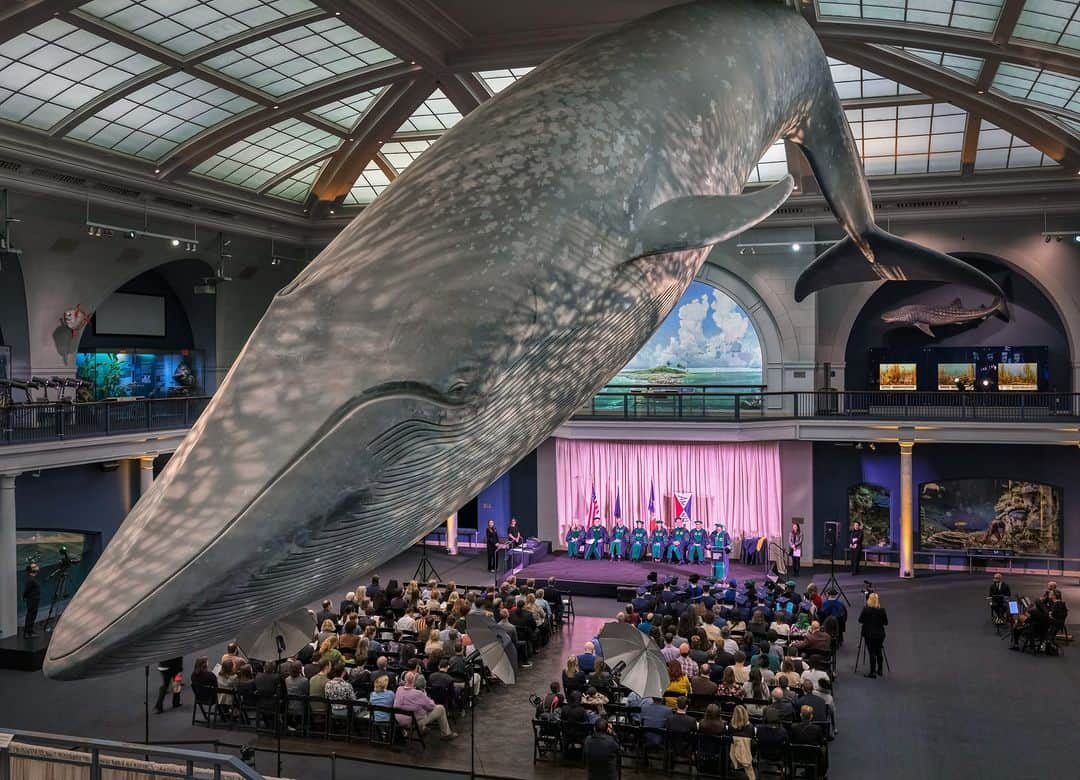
(594, 507)
(652, 507)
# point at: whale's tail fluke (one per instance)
(884, 256)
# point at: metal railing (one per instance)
(49, 421)
(673, 404)
(101, 755)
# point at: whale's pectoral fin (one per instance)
(925, 328)
(884, 256)
(702, 220)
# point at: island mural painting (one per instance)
(1004, 513)
(869, 505)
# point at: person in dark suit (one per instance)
(32, 596)
(491, 536)
(806, 732)
(874, 619)
(680, 722)
(326, 613)
(601, 753)
(810, 699)
(855, 543)
(168, 670)
(999, 597)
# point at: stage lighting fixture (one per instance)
(275, 261)
(175, 242)
(1047, 239)
(796, 247)
(130, 234)
(1076, 238)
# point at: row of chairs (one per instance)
(705, 755)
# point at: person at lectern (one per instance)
(698, 539)
(639, 540)
(721, 547)
(619, 536)
(855, 542)
(514, 537)
(491, 536)
(574, 538)
(676, 551)
(657, 542)
(595, 539)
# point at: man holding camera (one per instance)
(32, 597)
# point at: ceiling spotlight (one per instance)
(1058, 239)
(982, 91)
(275, 261)
(129, 234)
(1076, 238)
(175, 242)
(334, 212)
(157, 170)
(796, 247)
(1047, 239)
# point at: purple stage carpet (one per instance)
(605, 578)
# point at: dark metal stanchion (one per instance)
(146, 705)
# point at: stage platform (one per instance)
(22, 654)
(605, 578)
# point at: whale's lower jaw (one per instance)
(430, 461)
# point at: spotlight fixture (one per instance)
(1047, 239)
(130, 234)
(1076, 238)
(175, 242)
(1061, 235)
(100, 230)
(796, 247)
(275, 261)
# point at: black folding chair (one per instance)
(573, 739)
(547, 739)
(808, 762)
(710, 759)
(680, 748)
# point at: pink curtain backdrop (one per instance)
(737, 483)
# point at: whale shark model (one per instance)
(927, 316)
(490, 291)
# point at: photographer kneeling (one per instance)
(873, 620)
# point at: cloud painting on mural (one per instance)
(492, 289)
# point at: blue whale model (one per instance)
(490, 291)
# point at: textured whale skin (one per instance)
(488, 293)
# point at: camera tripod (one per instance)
(59, 595)
(425, 570)
(859, 652)
(832, 582)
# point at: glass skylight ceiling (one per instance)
(154, 120)
(1054, 90)
(184, 26)
(961, 65)
(255, 160)
(771, 167)
(368, 187)
(345, 113)
(1050, 21)
(999, 149)
(970, 15)
(435, 114)
(401, 154)
(298, 58)
(498, 80)
(47, 73)
(852, 82)
(924, 138)
(297, 186)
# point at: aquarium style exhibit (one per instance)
(1024, 368)
(1018, 376)
(143, 373)
(869, 505)
(1023, 516)
(955, 376)
(898, 376)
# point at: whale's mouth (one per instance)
(61, 655)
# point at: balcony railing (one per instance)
(39, 422)
(673, 403)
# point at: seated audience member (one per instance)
(350, 604)
(573, 711)
(806, 732)
(712, 631)
(409, 699)
(755, 688)
(825, 692)
(325, 614)
(782, 706)
(552, 701)
(654, 715)
(317, 687)
(701, 684)
(380, 697)
(764, 662)
(787, 671)
(688, 664)
(729, 686)
(228, 679)
(338, 689)
(712, 722)
(382, 669)
(790, 694)
(742, 672)
(781, 627)
(815, 640)
(573, 678)
(601, 675)
(441, 677)
(232, 653)
(815, 702)
(269, 683)
(202, 679)
(296, 685)
(816, 673)
(245, 684)
(697, 650)
(678, 684)
(601, 753)
(594, 700)
(328, 651)
(771, 734)
(742, 735)
(729, 644)
(587, 660)
(349, 640)
(680, 722)
(669, 651)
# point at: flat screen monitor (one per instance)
(1014, 608)
(955, 376)
(897, 376)
(1018, 376)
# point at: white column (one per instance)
(451, 534)
(146, 473)
(9, 565)
(907, 512)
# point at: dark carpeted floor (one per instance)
(956, 704)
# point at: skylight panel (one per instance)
(297, 186)
(154, 120)
(1053, 22)
(853, 82)
(1054, 90)
(184, 26)
(346, 112)
(771, 167)
(273, 150)
(999, 149)
(402, 153)
(915, 139)
(55, 68)
(959, 64)
(498, 80)
(368, 187)
(295, 59)
(968, 15)
(436, 113)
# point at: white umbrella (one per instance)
(495, 645)
(281, 639)
(645, 671)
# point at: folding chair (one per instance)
(206, 706)
(567, 608)
(384, 726)
(573, 739)
(547, 739)
(679, 750)
(710, 759)
(808, 762)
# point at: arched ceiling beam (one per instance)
(416, 31)
(17, 18)
(386, 167)
(239, 127)
(1038, 131)
(293, 170)
(378, 124)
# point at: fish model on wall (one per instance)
(926, 316)
(490, 291)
